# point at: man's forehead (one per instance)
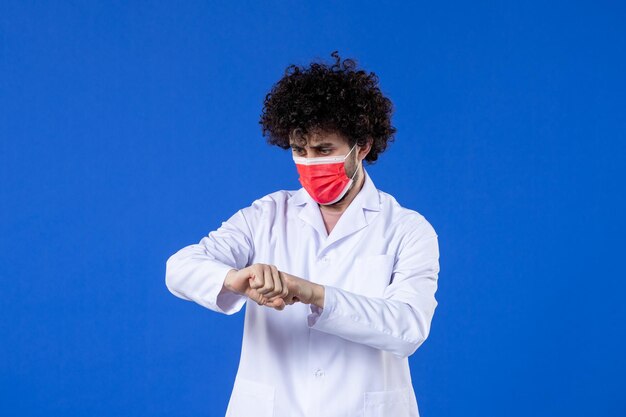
(317, 140)
(315, 144)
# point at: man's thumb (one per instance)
(278, 303)
(254, 282)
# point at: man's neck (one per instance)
(335, 209)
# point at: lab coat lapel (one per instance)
(351, 221)
(308, 211)
(311, 214)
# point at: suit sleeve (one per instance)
(399, 321)
(197, 272)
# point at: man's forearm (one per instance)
(302, 290)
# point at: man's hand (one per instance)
(262, 283)
(301, 290)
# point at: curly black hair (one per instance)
(336, 98)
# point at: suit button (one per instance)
(325, 259)
(319, 373)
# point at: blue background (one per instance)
(130, 130)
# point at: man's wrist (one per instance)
(228, 278)
(318, 295)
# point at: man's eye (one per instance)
(324, 151)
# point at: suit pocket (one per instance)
(372, 274)
(251, 398)
(388, 403)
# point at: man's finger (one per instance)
(268, 282)
(278, 286)
(256, 277)
(258, 298)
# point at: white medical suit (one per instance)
(379, 266)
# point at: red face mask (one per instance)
(324, 178)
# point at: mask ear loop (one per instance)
(357, 167)
(348, 154)
(355, 171)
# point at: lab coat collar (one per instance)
(361, 211)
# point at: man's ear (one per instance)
(368, 146)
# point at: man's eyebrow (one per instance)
(321, 145)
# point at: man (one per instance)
(342, 277)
